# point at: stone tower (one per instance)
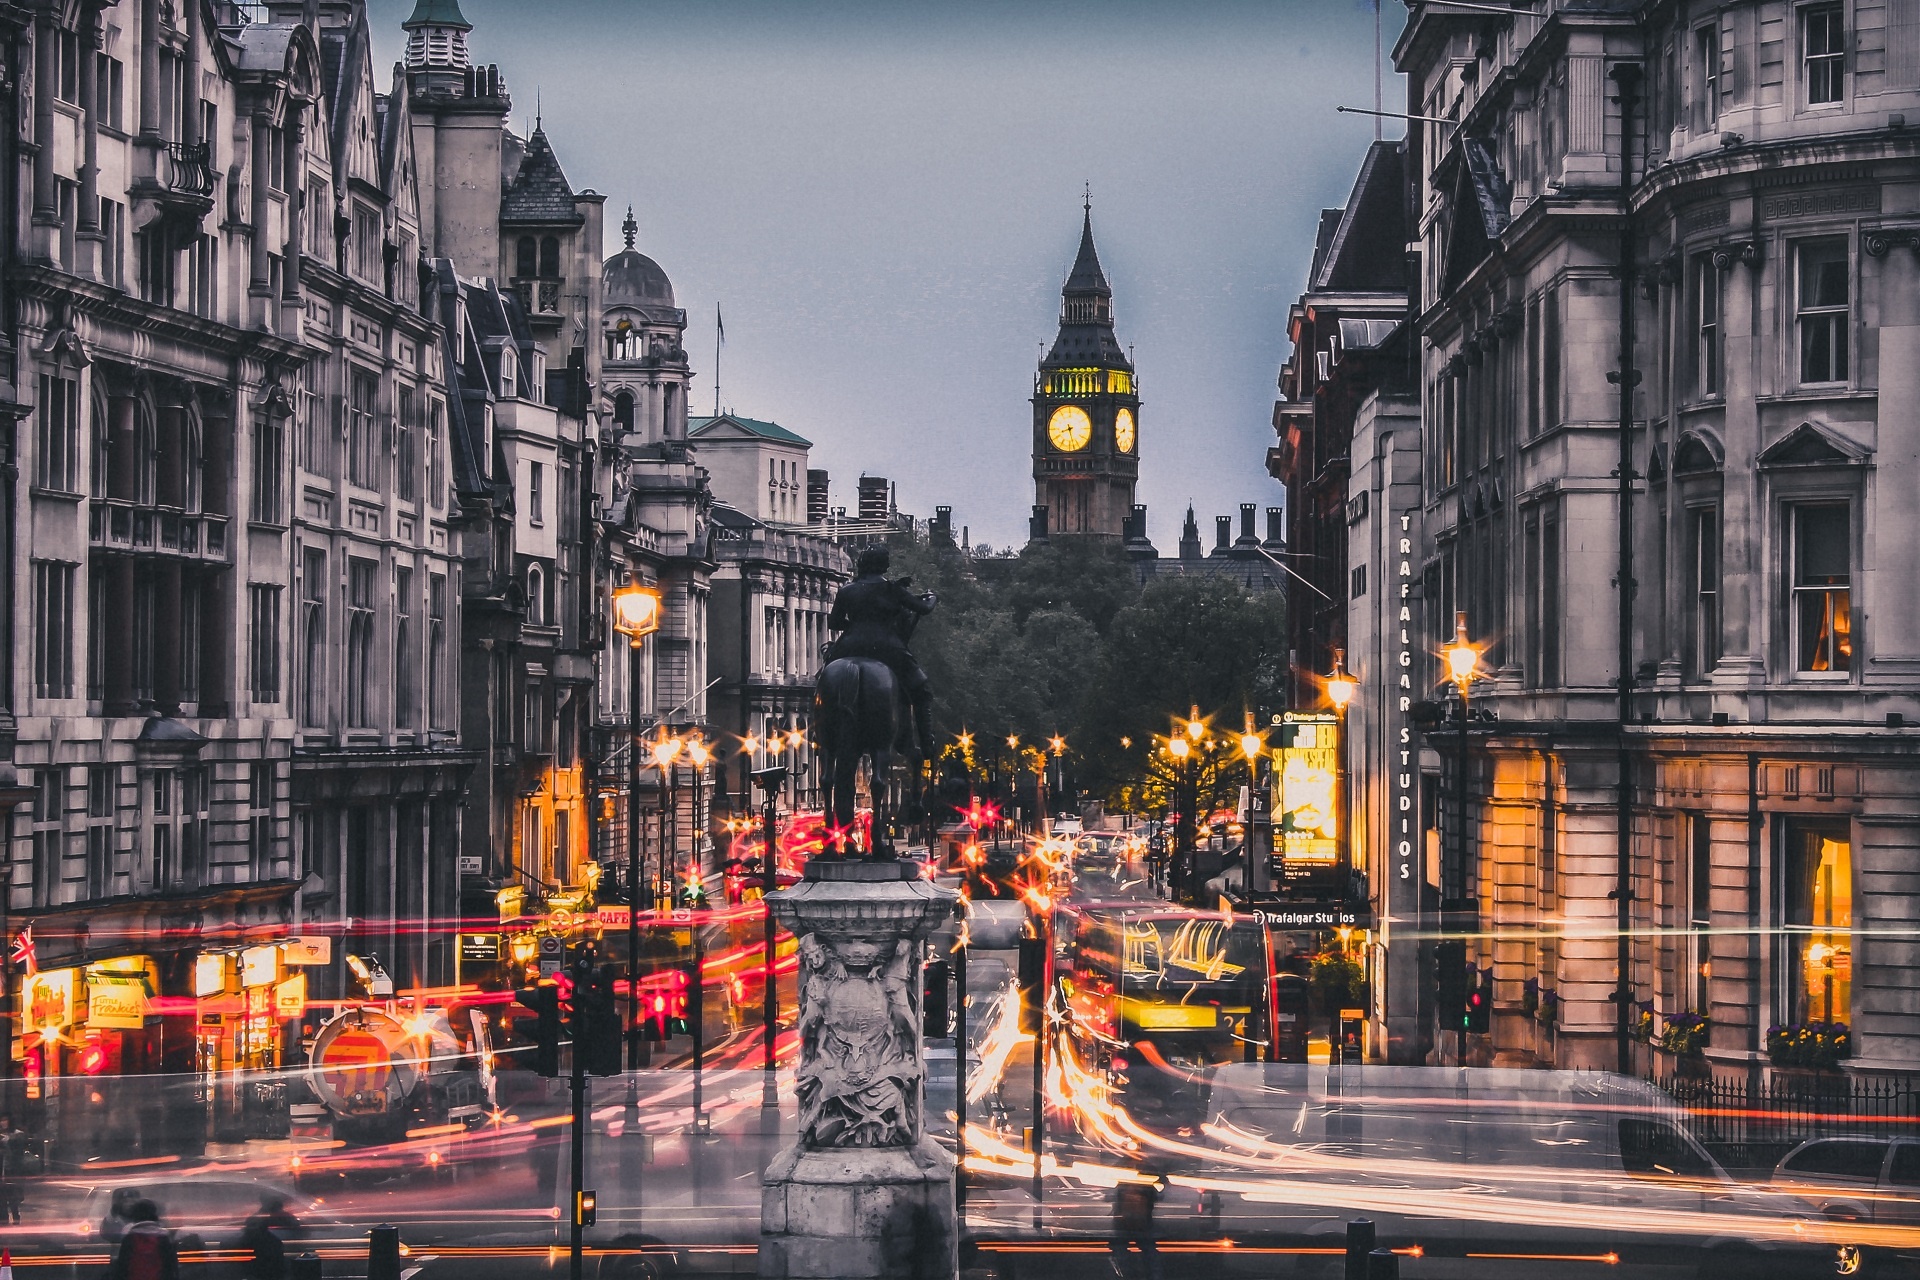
(1086, 413)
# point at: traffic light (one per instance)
(935, 1017)
(543, 1028)
(1479, 1018)
(1451, 958)
(586, 1208)
(1033, 984)
(595, 1023)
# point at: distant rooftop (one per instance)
(697, 427)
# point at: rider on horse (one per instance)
(874, 615)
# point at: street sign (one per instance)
(469, 866)
(480, 946)
(551, 953)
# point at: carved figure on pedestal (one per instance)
(859, 1074)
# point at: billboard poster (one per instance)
(1306, 793)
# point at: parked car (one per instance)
(1855, 1178)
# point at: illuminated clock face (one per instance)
(1123, 430)
(1070, 428)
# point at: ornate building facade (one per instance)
(1690, 782)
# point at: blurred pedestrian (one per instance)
(13, 1155)
(266, 1235)
(147, 1250)
(1133, 1205)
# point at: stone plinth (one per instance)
(862, 1194)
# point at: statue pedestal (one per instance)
(862, 1194)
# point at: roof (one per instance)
(1364, 248)
(539, 192)
(772, 431)
(438, 13)
(1086, 276)
(632, 277)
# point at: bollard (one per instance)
(1360, 1241)
(1383, 1264)
(383, 1253)
(304, 1267)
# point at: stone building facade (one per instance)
(1770, 220)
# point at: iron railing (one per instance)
(1749, 1125)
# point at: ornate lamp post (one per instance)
(636, 615)
(1463, 662)
(1180, 747)
(665, 750)
(699, 754)
(1341, 690)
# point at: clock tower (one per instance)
(1086, 414)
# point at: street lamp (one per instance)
(665, 750)
(1341, 686)
(699, 753)
(636, 615)
(1181, 746)
(1463, 662)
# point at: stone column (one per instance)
(862, 1193)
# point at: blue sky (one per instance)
(884, 197)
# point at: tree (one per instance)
(1188, 641)
(1076, 575)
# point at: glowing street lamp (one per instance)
(1178, 747)
(1463, 660)
(636, 615)
(1341, 686)
(636, 612)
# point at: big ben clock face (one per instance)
(1123, 430)
(1070, 428)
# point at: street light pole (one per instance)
(636, 615)
(1462, 661)
(768, 780)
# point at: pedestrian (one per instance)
(147, 1250)
(266, 1235)
(1133, 1204)
(13, 1152)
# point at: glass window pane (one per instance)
(1822, 546)
(1823, 275)
(1819, 914)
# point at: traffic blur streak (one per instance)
(1542, 1201)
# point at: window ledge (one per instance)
(1818, 391)
(268, 526)
(58, 495)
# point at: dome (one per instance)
(632, 277)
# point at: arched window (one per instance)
(102, 437)
(623, 412)
(550, 256)
(146, 455)
(536, 596)
(523, 264)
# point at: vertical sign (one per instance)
(1400, 749)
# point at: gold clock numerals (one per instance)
(1070, 428)
(1123, 430)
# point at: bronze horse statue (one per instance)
(858, 713)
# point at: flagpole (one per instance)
(719, 336)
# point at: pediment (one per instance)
(1697, 453)
(1812, 445)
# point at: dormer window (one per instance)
(509, 375)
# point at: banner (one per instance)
(117, 1001)
(46, 1000)
(1306, 781)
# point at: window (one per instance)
(57, 466)
(367, 245)
(314, 442)
(313, 628)
(53, 628)
(194, 815)
(1703, 589)
(1823, 52)
(263, 642)
(536, 498)
(260, 788)
(101, 784)
(403, 456)
(145, 641)
(1550, 360)
(360, 672)
(1822, 296)
(1841, 1157)
(269, 463)
(156, 252)
(49, 805)
(203, 277)
(1817, 912)
(536, 596)
(363, 442)
(66, 63)
(1706, 319)
(436, 648)
(113, 244)
(1822, 605)
(1706, 53)
(406, 279)
(533, 729)
(1357, 586)
(112, 91)
(526, 257)
(1700, 909)
(532, 839)
(623, 413)
(436, 454)
(1655, 1147)
(550, 256)
(404, 694)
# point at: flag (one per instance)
(719, 325)
(23, 952)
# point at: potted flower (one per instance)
(1685, 1037)
(1815, 1046)
(1549, 1012)
(1642, 1026)
(1530, 997)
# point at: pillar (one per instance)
(862, 1193)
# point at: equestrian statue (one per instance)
(872, 699)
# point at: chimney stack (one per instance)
(1276, 529)
(1248, 536)
(1222, 534)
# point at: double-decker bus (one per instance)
(1157, 996)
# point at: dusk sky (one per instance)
(884, 197)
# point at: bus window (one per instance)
(1655, 1147)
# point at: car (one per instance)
(1100, 852)
(1867, 1178)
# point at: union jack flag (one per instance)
(23, 952)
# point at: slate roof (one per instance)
(539, 192)
(1364, 249)
(438, 13)
(752, 426)
(1086, 276)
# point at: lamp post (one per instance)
(1058, 745)
(636, 615)
(699, 753)
(1341, 689)
(665, 750)
(1013, 776)
(1463, 661)
(1180, 747)
(768, 780)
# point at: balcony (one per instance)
(132, 528)
(540, 299)
(179, 190)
